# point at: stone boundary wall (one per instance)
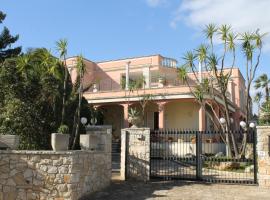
(263, 156)
(135, 154)
(48, 175)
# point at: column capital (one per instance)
(161, 105)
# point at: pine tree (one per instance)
(6, 40)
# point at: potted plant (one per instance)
(134, 117)
(60, 140)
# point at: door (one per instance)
(156, 120)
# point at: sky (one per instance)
(113, 29)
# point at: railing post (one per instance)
(198, 155)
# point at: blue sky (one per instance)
(104, 30)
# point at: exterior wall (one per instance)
(135, 154)
(90, 66)
(263, 133)
(52, 175)
(182, 115)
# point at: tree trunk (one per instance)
(77, 134)
(64, 94)
(266, 93)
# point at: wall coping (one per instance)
(142, 128)
(263, 127)
(33, 152)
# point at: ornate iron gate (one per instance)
(195, 155)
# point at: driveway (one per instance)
(133, 190)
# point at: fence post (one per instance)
(263, 157)
(198, 155)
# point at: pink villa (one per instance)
(172, 105)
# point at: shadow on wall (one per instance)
(137, 166)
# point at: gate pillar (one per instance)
(263, 153)
(135, 153)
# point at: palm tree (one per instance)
(61, 47)
(209, 32)
(263, 82)
(81, 70)
(23, 65)
(202, 52)
(224, 31)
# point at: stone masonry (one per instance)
(135, 153)
(52, 175)
(263, 134)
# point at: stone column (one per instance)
(127, 75)
(263, 159)
(125, 108)
(147, 76)
(201, 119)
(161, 116)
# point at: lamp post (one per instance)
(245, 128)
(83, 121)
(228, 146)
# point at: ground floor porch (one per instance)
(184, 114)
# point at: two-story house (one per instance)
(172, 105)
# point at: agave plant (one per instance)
(134, 117)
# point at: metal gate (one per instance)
(197, 155)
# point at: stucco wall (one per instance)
(182, 115)
(52, 175)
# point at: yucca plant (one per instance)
(134, 117)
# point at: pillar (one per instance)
(161, 116)
(263, 156)
(125, 108)
(201, 119)
(127, 75)
(147, 76)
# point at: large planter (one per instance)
(10, 141)
(59, 141)
(89, 141)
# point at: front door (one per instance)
(156, 120)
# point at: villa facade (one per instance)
(172, 105)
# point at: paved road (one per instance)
(132, 190)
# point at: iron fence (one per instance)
(203, 155)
